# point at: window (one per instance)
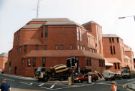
(78, 33)
(19, 50)
(33, 61)
(111, 51)
(46, 31)
(101, 63)
(28, 62)
(43, 61)
(95, 44)
(88, 62)
(41, 34)
(25, 48)
(117, 40)
(110, 40)
(115, 65)
(36, 47)
(118, 65)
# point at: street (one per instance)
(23, 84)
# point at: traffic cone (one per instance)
(113, 86)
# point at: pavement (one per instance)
(18, 89)
(19, 77)
(131, 86)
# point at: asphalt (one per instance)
(131, 86)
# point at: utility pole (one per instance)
(37, 11)
(131, 62)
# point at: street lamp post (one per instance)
(132, 67)
(126, 17)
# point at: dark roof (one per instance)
(110, 35)
(32, 26)
(62, 53)
(56, 21)
(51, 19)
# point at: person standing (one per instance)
(114, 86)
(5, 86)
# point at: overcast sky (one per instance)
(16, 13)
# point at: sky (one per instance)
(14, 14)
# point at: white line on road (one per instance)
(53, 85)
(103, 83)
(26, 83)
(41, 84)
(72, 86)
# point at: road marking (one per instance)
(72, 86)
(31, 83)
(104, 83)
(41, 84)
(130, 80)
(53, 85)
(26, 83)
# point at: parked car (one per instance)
(108, 75)
(126, 72)
(94, 76)
(117, 76)
(81, 77)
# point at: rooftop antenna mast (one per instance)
(37, 11)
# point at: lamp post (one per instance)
(132, 16)
(126, 17)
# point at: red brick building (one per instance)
(3, 60)
(129, 57)
(96, 30)
(47, 42)
(116, 53)
(134, 62)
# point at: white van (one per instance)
(108, 75)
